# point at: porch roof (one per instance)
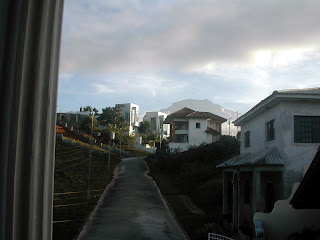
(268, 157)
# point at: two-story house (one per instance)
(131, 112)
(156, 119)
(279, 139)
(192, 128)
(73, 119)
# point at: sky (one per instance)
(156, 52)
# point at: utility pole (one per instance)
(120, 143)
(160, 136)
(111, 137)
(229, 126)
(89, 173)
(237, 126)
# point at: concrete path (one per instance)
(133, 209)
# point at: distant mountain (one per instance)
(206, 106)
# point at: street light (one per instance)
(120, 143)
(89, 171)
(112, 135)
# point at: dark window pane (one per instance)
(270, 131)
(307, 129)
(247, 139)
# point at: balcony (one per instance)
(182, 131)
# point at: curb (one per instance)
(100, 201)
(168, 205)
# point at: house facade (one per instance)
(156, 119)
(279, 139)
(73, 119)
(191, 128)
(131, 112)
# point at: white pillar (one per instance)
(29, 59)
(256, 191)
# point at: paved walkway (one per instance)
(133, 209)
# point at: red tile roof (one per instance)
(211, 130)
(189, 113)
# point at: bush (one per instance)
(192, 161)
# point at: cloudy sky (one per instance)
(156, 52)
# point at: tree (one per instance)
(145, 127)
(88, 108)
(112, 117)
(87, 123)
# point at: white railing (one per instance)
(214, 236)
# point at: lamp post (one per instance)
(89, 171)
(112, 135)
(120, 143)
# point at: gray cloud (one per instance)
(135, 35)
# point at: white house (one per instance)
(192, 128)
(279, 139)
(131, 113)
(156, 119)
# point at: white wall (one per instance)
(158, 116)
(198, 135)
(182, 146)
(133, 119)
(257, 128)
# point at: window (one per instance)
(197, 125)
(153, 124)
(247, 139)
(306, 129)
(270, 130)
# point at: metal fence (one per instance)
(214, 236)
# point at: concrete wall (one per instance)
(257, 128)
(296, 156)
(145, 148)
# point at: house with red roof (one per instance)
(192, 128)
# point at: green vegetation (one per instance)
(70, 189)
(113, 116)
(87, 123)
(194, 173)
(145, 127)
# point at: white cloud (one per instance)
(102, 89)
(143, 85)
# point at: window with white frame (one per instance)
(197, 125)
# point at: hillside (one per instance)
(206, 106)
